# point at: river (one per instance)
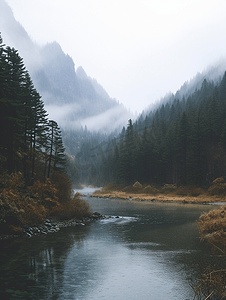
(146, 250)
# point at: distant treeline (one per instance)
(182, 142)
(29, 142)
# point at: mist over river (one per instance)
(146, 250)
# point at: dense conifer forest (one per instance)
(34, 183)
(182, 142)
(29, 141)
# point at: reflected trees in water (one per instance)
(34, 269)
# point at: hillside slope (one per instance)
(70, 96)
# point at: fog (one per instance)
(153, 50)
(108, 121)
(137, 50)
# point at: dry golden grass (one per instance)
(212, 228)
(212, 284)
(150, 193)
(168, 193)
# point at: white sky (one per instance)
(138, 50)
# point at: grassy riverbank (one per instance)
(166, 193)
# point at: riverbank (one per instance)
(211, 225)
(169, 197)
(52, 225)
(216, 193)
(27, 210)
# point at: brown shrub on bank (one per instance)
(111, 187)
(44, 190)
(169, 188)
(75, 208)
(63, 186)
(218, 180)
(137, 186)
(12, 181)
(128, 189)
(33, 205)
(217, 189)
(212, 227)
(212, 284)
(33, 212)
(189, 191)
(150, 190)
(17, 208)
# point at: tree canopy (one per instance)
(29, 142)
(182, 142)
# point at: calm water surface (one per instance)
(145, 251)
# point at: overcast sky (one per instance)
(138, 50)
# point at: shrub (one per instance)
(212, 226)
(63, 185)
(137, 185)
(33, 212)
(150, 190)
(33, 205)
(189, 191)
(44, 190)
(217, 189)
(12, 181)
(110, 187)
(169, 188)
(17, 205)
(75, 208)
(218, 180)
(128, 189)
(196, 191)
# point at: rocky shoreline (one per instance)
(51, 226)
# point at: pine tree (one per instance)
(182, 148)
(55, 149)
(13, 118)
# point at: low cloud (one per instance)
(110, 120)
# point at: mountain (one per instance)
(71, 97)
(213, 73)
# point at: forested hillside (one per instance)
(71, 97)
(33, 180)
(182, 142)
(29, 141)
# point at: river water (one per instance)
(146, 250)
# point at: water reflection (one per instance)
(145, 251)
(33, 268)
